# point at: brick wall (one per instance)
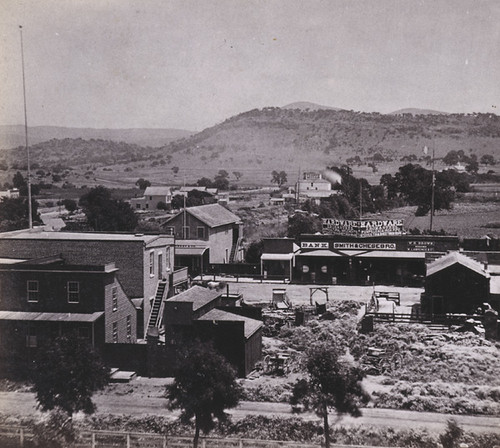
(127, 255)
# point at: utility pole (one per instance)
(30, 211)
(360, 201)
(433, 187)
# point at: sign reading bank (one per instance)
(363, 228)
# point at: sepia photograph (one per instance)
(249, 223)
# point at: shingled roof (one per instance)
(456, 258)
(213, 215)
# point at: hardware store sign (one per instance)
(363, 228)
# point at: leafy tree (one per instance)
(488, 159)
(143, 183)
(451, 158)
(205, 182)
(162, 206)
(204, 386)
(222, 173)
(67, 372)
(237, 175)
(175, 169)
(279, 178)
(254, 252)
(472, 166)
(177, 202)
(332, 382)
(105, 213)
(19, 181)
(14, 214)
(221, 182)
(69, 204)
(453, 433)
(302, 223)
(197, 197)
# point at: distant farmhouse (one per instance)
(205, 234)
(13, 193)
(313, 186)
(152, 197)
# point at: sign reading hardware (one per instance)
(313, 245)
(363, 228)
(365, 246)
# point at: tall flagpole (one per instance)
(30, 212)
(433, 187)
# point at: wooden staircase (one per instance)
(158, 305)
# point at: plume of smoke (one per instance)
(332, 176)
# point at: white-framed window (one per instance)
(200, 230)
(32, 290)
(114, 297)
(73, 292)
(151, 264)
(129, 327)
(115, 332)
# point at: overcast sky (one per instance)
(191, 64)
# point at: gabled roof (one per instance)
(197, 295)
(250, 325)
(456, 258)
(157, 191)
(213, 215)
(192, 187)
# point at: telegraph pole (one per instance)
(433, 188)
(30, 212)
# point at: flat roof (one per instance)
(11, 260)
(392, 254)
(250, 325)
(50, 317)
(79, 236)
(276, 256)
(198, 251)
(197, 295)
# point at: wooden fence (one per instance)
(13, 437)
(429, 319)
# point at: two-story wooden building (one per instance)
(152, 197)
(205, 234)
(198, 313)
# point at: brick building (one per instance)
(41, 299)
(145, 263)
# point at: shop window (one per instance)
(32, 290)
(114, 294)
(73, 292)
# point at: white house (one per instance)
(152, 197)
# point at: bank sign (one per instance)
(363, 228)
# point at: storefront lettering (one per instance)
(313, 245)
(365, 246)
(363, 228)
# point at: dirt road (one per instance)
(23, 403)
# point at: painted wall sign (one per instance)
(313, 245)
(363, 228)
(365, 246)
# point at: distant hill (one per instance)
(277, 138)
(414, 111)
(12, 136)
(304, 105)
(261, 140)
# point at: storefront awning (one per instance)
(50, 317)
(392, 254)
(197, 251)
(277, 257)
(320, 253)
